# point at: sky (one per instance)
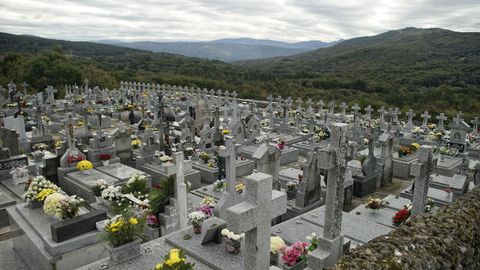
(196, 20)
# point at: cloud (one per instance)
(287, 20)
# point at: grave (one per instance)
(210, 175)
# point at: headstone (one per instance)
(330, 245)
(181, 192)
(410, 115)
(267, 160)
(253, 217)
(422, 170)
(441, 118)
(310, 187)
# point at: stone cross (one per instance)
(396, 113)
(230, 195)
(299, 104)
(458, 119)
(410, 115)
(441, 118)
(425, 118)
(334, 160)
(331, 107)
(320, 105)
(254, 216)
(369, 111)
(98, 112)
(343, 106)
(382, 112)
(279, 103)
(269, 98)
(286, 107)
(38, 103)
(69, 122)
(181, 191)
(12, 90)
(475, 123)
(309, 106)
(390, 115)
(355, 109)
(86, 84)
(422, 169)
(50, 94)
(25, 86)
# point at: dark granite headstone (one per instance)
(70, 228)
(8, 164)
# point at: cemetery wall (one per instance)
(448, 239)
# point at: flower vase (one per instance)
(291, 194)
(300, 265)
(232, 246)
(197, 228)
(105, 163)
(35, 204)
(99, 200)
(125, 252)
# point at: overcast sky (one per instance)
(286, 20)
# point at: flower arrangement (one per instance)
(432, 126)
(112, 194)
(448, 151)
(291, 185)
(196, 218)
(239, 188)
(374, 203)
(429, 205)
(175, 260)
(19, 172)
(277, 245)
(153, 221)
(281, 144)
(74, 158)
(46, 119)
(206, 209)
(414, 147)
(80, 123)
(51, 203)
(58, 144)
(401, 216)
(232, 236)
(123, 229)
(105, 157)
(68, 207)
(209, 201)
(40, 146)
(84, 165)
(165, 159)
(313, 239)
(135, 143)
(98, 187)
(204, 156)
(37, 185)
(211, 165)
(417, 131)
(403, 151)
(219, 185)
(38, 153)
(294, 253)
(225, 132)
(42, 195)
(265, 122)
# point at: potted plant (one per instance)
(97, 189)
(62, 207)
(277, 246)
(136, 143)
(37, 190)
(291, 190)
(233, 241)
(105, 158)
(292, 256)
(152, 228)
(121, 233)
(111, 194)
(175, 260)
(19, 175)
(197, 218)
(219, 185)
(40, 147)
(85, 166)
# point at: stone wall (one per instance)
(448, 239)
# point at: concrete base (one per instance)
(363, 186)
(327, 253)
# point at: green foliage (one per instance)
(159, 196)
(423, 69)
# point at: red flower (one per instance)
(401, 216)
(72, 159)
(105, 157)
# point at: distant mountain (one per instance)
(228, 50)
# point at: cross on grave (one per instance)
(86, 84)
(425, 118)
(38, 104)
(410, 115)
(475, 121)
(12, 91)
(279, 103)
(422, 169)
(369, 111)
(286, 107)
(50, 94)
(25, 86)
(458, 119)
(382, 112)
(230, 195)
(98, 112)
(69, 122)
(320, 105)
(309, 106)
(396, 113)
(343, 106)
(441, 118)
(181, 191)
(331, 107)
(269, 106)
(253, 217)
(334, 160)
(390, 115)
(299, 103)
(355, 109)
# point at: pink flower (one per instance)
(292, 254)
(206, 209)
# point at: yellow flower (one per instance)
(44, 194)
(226, 131)
(133, 221)
(84, 165)
(159, 266)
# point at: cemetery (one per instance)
(150, 176)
